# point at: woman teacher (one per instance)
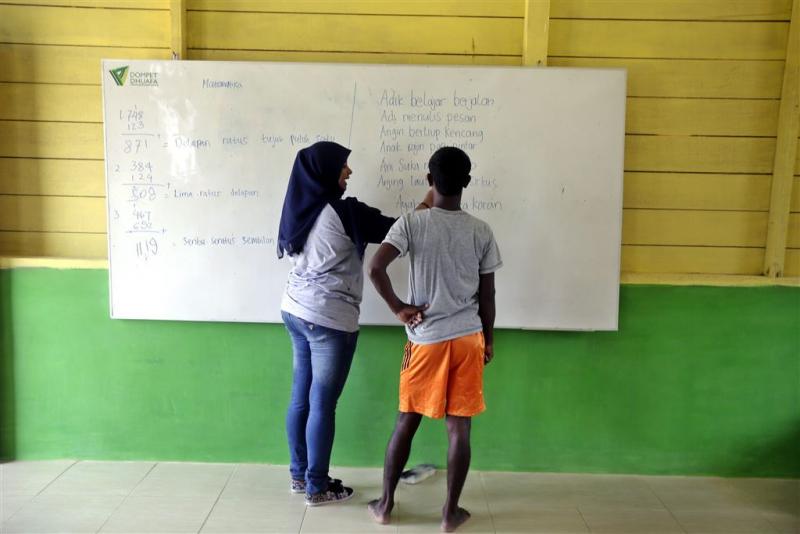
(325, 237)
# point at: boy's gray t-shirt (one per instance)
(447, 250)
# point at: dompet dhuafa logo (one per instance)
(119, 74)
(136, 78)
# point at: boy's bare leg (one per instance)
(396, 457)
(458, 457)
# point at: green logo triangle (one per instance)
(119, 74)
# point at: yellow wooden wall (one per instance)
(704, 90)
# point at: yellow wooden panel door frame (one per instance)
(177, 16)
(785, 153)
(535, 32)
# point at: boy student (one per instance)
(449, 321)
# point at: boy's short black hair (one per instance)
(449, 167)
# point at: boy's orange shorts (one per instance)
(443, 378)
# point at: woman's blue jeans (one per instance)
(321, 363)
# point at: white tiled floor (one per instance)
(67, 496)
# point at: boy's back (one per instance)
(449, 318)
(448, 251)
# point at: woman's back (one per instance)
(326, 282)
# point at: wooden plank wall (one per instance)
(704, 89)
(52, 185)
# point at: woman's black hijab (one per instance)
(314, 182)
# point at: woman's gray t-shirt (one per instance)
(448, 251)
(326, 281)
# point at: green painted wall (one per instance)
(698, 380)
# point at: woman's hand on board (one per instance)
(428, 200)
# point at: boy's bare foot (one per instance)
(381, 512)
(450, 522)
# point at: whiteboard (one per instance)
(198, 154)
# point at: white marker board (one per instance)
(198, 155)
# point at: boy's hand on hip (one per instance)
(411, 315)
(488, 354)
